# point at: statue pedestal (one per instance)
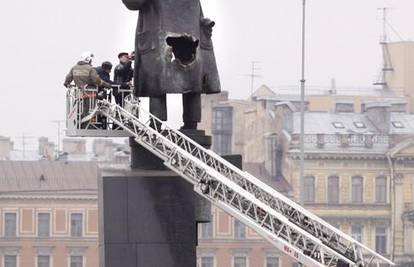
(148, 214)
(147, 219)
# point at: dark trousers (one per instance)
(191, 107)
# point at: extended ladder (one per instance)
(285, 224)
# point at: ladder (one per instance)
(285, 224)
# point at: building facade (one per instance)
(225, 241)
(48, 214)
(359, 171)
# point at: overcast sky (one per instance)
(41, 40)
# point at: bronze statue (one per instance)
(174, 55)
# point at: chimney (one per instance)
(284, 114)
(74, 146)
(379, 115)
(104, 148)
(6, 146)
(100, 146)
(332, 91)
(46, 148)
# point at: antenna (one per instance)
(253, 74)
(384, 37)
(24, 137)
(386, 58)
(58, 122)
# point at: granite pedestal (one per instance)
(148, 214)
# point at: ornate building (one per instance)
(48, 214)
(359, 153)
(356, 173)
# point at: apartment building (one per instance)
(48, 214)
(358, 159)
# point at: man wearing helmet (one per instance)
(83, 74)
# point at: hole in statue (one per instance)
(184, 48)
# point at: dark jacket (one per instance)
(123, 74)
(158, 70)
(104, 75)
(83, 74)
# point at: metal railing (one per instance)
(81, 106)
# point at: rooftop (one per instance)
(350, 123)
(47, 176)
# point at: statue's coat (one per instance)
(156, 72)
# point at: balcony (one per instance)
(341, 141)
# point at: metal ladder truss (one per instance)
(285, 224)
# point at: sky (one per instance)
(41, 40)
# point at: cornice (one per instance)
(48, 197)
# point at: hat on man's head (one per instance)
(106, 65)
(122, 54)
(87, 57)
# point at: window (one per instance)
(222, 119)
(309, 189)
(76, 261)
(239, 230)
(397, 124)
(222, 144)
(43, 261)
(356, 232)
(207, 230)
(338, 125)
(381, 189)
(10, 224)
(333, 190)
(222, 129)
(10, 261)
(76, 224)
(273, 154)
(207, 261)
(240, 261)
(381, 239)
(43, 224)
(357, 189)
(272, 262)
(360, 125)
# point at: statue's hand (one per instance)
(207, 26)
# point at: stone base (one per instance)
(145, 160)
(147, 220)
(148, 214)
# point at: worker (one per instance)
(123, 75)
(104, 72)
(84, 75)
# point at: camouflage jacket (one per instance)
(84, 75)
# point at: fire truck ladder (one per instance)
(285, 224)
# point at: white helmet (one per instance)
(87, 57)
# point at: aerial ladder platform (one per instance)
(285, 224)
